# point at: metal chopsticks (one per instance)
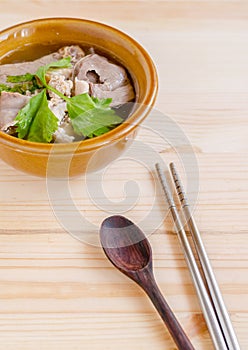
(214, 290)
(213, 307)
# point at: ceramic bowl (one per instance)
(30, 40)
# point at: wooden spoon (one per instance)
(128, 249)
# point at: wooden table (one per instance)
(57, 292)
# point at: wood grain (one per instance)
(57, 292)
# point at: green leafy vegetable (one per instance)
(90, 116)
(20, 84)
(20, 78)
(7, 88)
(35, 121)
(41, 72)
(20, 88)
(27, 114)
(44, 124)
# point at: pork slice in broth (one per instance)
(119, 96)
(25, 67)
(10, 104)
(106, 79)
(32, 66)
(97, 69)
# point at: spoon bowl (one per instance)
(125, 245)
(128, 249)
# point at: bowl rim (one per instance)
(112, 136)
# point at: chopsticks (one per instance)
(212, 304)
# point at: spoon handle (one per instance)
(151, 288)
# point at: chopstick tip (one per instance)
(172, 166)
(158, 168)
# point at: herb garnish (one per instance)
(91, 116)
(35, 121)
(20, 78)
(41, 72)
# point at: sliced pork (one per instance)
(105, 72)
(74, 51)
(104, 78)
(66, 133)
(80, 87)
(32, 66)
(10, 104)
(119, 96)
(58, 109)
(25, 67)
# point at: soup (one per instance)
(67, 95)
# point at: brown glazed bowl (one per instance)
(30, 40)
